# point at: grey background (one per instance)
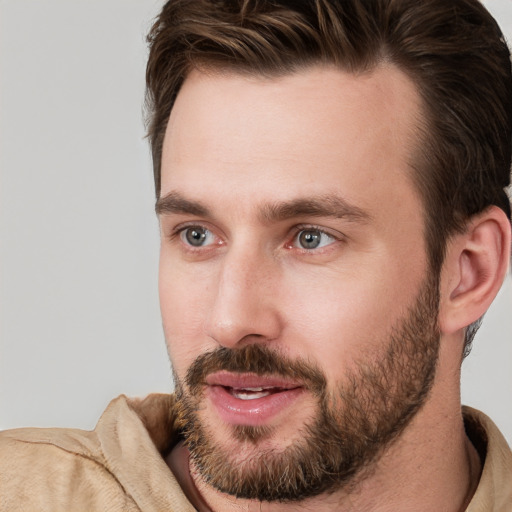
(79, 316)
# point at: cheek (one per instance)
(335, 329)
(343, 320)
(184, 299)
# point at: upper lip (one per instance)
(249, 380)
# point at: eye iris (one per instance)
(195, 236)
(310, 239)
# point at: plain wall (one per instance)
(79, 317)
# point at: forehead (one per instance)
(319, 128)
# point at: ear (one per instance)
(475, 266)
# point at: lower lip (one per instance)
(255, 412)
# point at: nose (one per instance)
(245, 306)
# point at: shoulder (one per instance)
(57, 469)
(494, 492)
(116, 467)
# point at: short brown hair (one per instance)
(453, 50)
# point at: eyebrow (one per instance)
(322, 206)
(174, 202)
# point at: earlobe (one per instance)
(475, 267)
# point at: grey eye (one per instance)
(196, 236)
(310, 238)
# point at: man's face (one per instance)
(297, 305)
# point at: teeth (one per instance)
(250, 393)
(244, 395)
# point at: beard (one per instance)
(354, 424)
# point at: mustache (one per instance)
(257, 359)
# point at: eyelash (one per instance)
(178, 231)
(337, 237)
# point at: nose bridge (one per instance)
(243, 306)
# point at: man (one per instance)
(330, 180)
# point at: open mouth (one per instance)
(252, 393)
(249, 399)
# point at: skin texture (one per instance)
(236, 150)
(351, 427)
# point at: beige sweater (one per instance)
(119, 465)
